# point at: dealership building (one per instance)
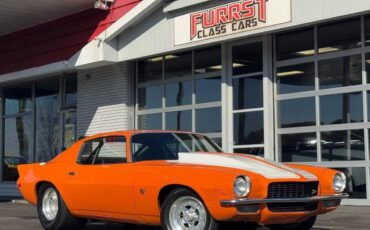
(283, 79)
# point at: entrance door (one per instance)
(249, 97)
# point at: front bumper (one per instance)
(246, 201)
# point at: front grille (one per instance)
(293, 189)
(292, 207)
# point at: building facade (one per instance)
(283, 79)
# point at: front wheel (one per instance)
(53, 212)
(183, 209)
(305, 225)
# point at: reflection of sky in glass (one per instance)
(332, 108)
(179, 93)
(150, 97)
(13, 145)
(208, 120)
(208, 90)
(297, 112)
(179, 121)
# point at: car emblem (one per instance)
(314, 192)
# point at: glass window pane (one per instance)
(338, 72)
(150, 69)
(358, 182)
(150, 122)
(18, 99)
(208, 60)
(295, 44)
(343, 145)
(339, 35)
(368, 105)
(178, 65)
(47, 120)
(17, 145)
(180, 120)
(298, 147)
(341, 108)
(70, 98)
(150, 97)
(218, 141)
(208, 120)
(367, 62)
(297, 112)
(208, 90)
(247, 58)
(248, 93)
(179, 93)
(248, 128)
(367, 30)
(252, 151)
(69, 129)
(297, 78)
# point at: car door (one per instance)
(100, 181)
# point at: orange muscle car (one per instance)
(178, 180)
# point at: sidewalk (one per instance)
(20, 215)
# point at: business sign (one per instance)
(231, 18)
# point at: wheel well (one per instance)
(168, 188)
(38, 185)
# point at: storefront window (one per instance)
(295, 44)
(208, 90)
(207, 60)
(32, 118)
(18, 99)
(297, 112)
(178, 65)
(298, 147)
(296, 78)
(17, 145)
(180, 120)
(150, 69)
(339, 36)
(150, 97)
(248, 92)
(251, 151)
(367, 63)
(178, 93)
(248, 128)
(341, 108)
(208, 120)
(343, 145)
(150, 121)
(247, 58)
(47, 119)
(340, 72)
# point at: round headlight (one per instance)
(242, 186)
(339, 182)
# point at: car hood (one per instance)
(258, 165)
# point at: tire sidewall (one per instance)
(47, 224)
(171, 198)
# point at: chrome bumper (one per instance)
(246, 201)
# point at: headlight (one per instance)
(339, 182)
(242, 186)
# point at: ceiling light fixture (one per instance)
(289, 73)
(167, 57)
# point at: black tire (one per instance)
(305, 225)
(63, 218)
(173, 196)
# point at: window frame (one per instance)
(79, 156)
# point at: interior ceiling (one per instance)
(20, 14)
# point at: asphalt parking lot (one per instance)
(20, 216)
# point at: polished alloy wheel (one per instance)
(187, 212)
(50, 204)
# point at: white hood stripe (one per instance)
(234, 161)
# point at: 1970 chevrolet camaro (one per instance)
(177, 180)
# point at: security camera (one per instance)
(103, 4)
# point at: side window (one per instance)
(108, 150)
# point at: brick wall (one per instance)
(103, 99)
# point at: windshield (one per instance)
(167, 146)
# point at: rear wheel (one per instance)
(305, 225)
(183, 209)
(53, 212)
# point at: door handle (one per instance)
(71, 173)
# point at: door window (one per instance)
(108, 150)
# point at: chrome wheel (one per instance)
(187, 212)
(50, 205)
